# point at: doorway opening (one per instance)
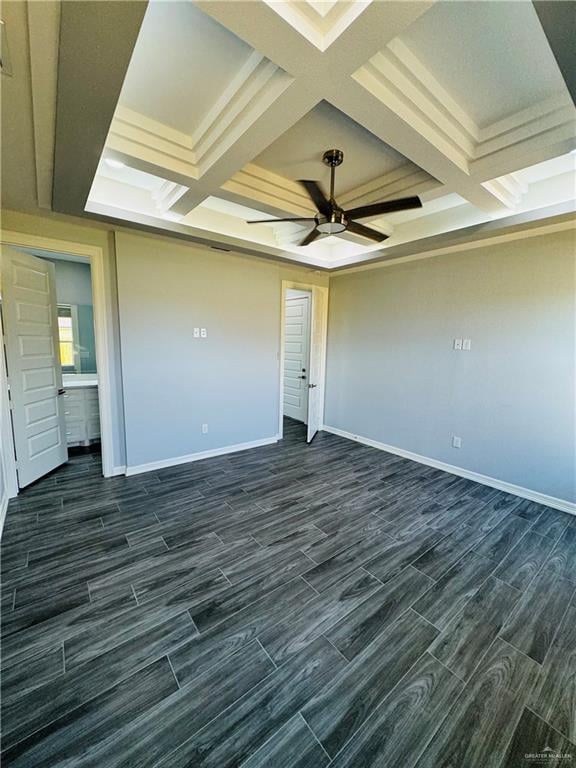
(302, 359)
(56, 342)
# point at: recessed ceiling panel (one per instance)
(182, 63)
(492, 57)
(297, 154)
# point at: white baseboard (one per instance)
(139, 468)
(119, 470)
(493, 482)
(3, 508)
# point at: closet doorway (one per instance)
(303, 355)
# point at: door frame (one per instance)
(102, 335)
(315, 291)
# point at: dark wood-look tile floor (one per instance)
(293, 605)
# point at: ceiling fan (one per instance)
(331, 219)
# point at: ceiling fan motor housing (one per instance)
(332, 224)
(333, 157)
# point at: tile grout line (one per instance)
(226, 577)
(316, 739)
(411, 608)
(447, 668)
(135, 595)
(303, 577)
(348, 661)
(503, 639)
(563, 735)
(368, 573)
(193, 622)
(172, 669)
(266, 652)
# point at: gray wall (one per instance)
(73, 282)
(174, 383)
(394, 377)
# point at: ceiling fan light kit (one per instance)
(331, 219)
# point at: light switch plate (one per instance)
(457, 343)
(456, 442)
(196, 333)
(467, 344)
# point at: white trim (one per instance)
(151, 466)
(3, 509)
(119, 470)
(493, 482)
(314, 290)
(483, 240)
(7, 454)
(102, 324)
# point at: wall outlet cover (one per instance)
(467, 344)
(457, 343)
(456, 442)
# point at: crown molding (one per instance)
(405, 180)
(260, 185)
(279, 193)
(138, 136)
(249, 94)
(509, 189)
(544, 221)
(319, 27)
(396, 77)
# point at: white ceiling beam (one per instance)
(329, 74)
(370, 75)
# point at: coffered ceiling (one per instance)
(225, 105)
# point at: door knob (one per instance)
(312, 386)
(61, 391)
(302, 377)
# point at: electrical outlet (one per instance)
(196, 333)
(203, 333)
(456, 442)
(457, 343)
(204, 429)
(467, 344)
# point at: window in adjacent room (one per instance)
(67, 334)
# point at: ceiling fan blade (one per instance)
(310, 237)
(273, 221)
(387, 206)
(317, 196)
(371, 234)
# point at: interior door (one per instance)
(317, 360)
(29, 313)
(296, 353)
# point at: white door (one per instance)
(317, 361)
(29, 314)
(296, 353)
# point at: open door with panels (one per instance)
(318, 329)
(29, 312)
